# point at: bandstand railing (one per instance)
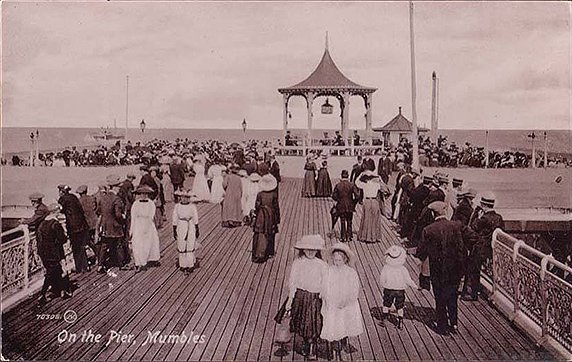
(533, 289)
(21, 263)
(330, 150)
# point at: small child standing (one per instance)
(394, 279)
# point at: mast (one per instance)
(127, 106)
(434, 108)
(415, 159)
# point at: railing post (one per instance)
(26, 255)
(495, 260)
(515, 278)
(544, 292)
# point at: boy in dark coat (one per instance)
(51, 237)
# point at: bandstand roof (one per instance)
(399, 124)
(327, 76)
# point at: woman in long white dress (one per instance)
(143, 233)
(200, 187)
(217, 189)
(341, 313)
(186, 221)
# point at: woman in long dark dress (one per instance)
(324, 183)
(267, 219)
(309, 186)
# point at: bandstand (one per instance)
(327, 80)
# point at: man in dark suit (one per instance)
(407, 185)
(464, 208)
(484, 221)
(177, 171)
(357, 169)
(445, 243)
(76, 227)
(416, 206)
(368, 162)
(40, 212)
(148, 180)
(274, 168)
(112, 226)
(346, 195)
(382, 170)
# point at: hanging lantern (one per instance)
(327, 108)
(142, 126)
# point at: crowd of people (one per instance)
(438, 221)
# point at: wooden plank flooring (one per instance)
(232, 302)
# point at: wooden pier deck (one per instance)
(231, 302)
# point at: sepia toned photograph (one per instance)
(286, 180)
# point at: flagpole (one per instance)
(126, 106)
(415, 140)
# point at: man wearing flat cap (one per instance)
(89, 206)
(111, 213)
(40, 211)
(76, 227)
(446, 244)
(346, 195)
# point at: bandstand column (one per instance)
(345, 116)
(309, 102)
(368, 126)
(285, 118)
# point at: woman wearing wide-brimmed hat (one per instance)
(370, 227)
(309, 185)
(340, 308)
(265, 225)
(305, 285)
(324, 183)
(186, 224)
(142, 232)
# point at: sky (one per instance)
(501, 65)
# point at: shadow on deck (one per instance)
(226, 308)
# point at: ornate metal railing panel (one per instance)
(559, 309)
(21, 263)
(535, 284)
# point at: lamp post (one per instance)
(244, 124)
(532, 136)
(32, 148)
(545, 150)
(142, 126)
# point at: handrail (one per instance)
(353, 150)
(536, 285)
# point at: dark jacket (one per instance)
(463, 212)
(275, 170)
(267, 213)
(75, 217)
(446, 244)
(484, 225)
(382, 172)
(126, 194)
(51, 238)
(368, 164)
(250, 167)
(148, 180)
(357, 169)
(346, 195)
(262, 168)
(435, 195)
(39, 215)
(111, 210)
(177, 171)
(89, 206)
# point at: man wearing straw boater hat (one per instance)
(112, 227)
(51, 238)
(483, 221)
(445, 243)
(464, 208)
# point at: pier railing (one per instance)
(532, 289)
(21, 263)
(330, 150)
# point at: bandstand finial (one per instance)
(326, 40)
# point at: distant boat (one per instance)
(107, 134)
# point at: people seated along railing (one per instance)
(534, 289)
(21, 264)
(348, 150)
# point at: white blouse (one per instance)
(307, 274)
(371, 187)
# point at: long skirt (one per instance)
(370, 226)
(306, 314)
(309, 186)
(261, 247)
(323, 185)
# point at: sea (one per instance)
(17, 139)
